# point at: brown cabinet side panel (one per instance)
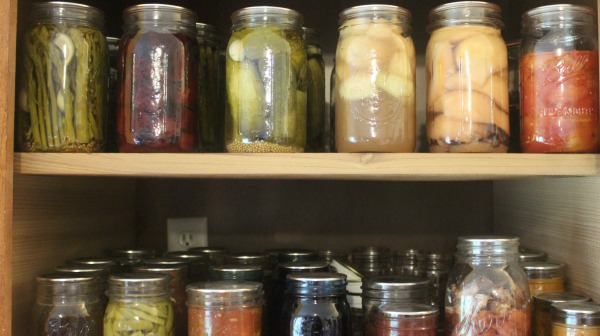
(558, 216)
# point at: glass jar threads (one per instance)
(545, 277)
(236, 272)
(157, 79)
(197, 264)
(316, 304)
(225, 308)
(467, 79)
(139, 303)
(487, 290)
(210, 117)
(63, 93)
(266, 82)
(67, 304)
(372, 261)
(317, 121)
(559, 80)
(404, 319)
(375, 80)
(541, 310)
(575, 318)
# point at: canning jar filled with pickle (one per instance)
(67, 304)
(545, 277)
(63, 86)
(317, 121)
(210, 118)
(487, 291)
(139, 304)
(229, 307)
(542, 303)
(157, 79)
(267, 80)
(575, 318)
(467, 79)
(559, 80)
(375, 80)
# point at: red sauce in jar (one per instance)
(239, 322)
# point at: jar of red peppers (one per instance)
(157, 79)
(266, 82)
(404, 319)
(487, 291)
(225, 308)
(559, 80)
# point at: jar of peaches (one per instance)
(467, 79)
(375, 81)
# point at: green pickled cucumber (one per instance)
(315, 123)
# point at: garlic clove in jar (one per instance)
(65, 44)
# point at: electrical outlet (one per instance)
(183, 233)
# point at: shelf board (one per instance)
(332, 166)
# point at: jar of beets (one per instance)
(157, 80)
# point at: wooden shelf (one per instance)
(332, 166)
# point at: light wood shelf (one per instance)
(332, 166)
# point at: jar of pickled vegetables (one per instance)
(158, 80)
(404, 319)
(317, 123)
(67, 304)
(375, 80)
(467, 79)
(575, 318)
(210, 118)
(545, 277)
(139, 304)
(316, 304)
(541, 310)
(559, 80)
(62, 99)
(220, 308)
(487, 291)
(236, 272)
(267, 80)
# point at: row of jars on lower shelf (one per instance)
(487, 291)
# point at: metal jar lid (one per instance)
(543, 270)
(223, 293)
(396, 287)
(545, 300)
(216, 255)
(487, 245)
(527, 255)
(329, 255)
(465, 13)
(295, 255)
(66, 285)
(134, 253)
(318, 283)
(563, 14)
(165, 262)
(138, 284)
(236, 272)
(576, 313)
(407, 310)
(106, 262)
(303, 266)
(154, 13)
(101, 271)
(248, 258)
(191, 256)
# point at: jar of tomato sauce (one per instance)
(158, 80)
(559, 80)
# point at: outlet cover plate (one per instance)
(184, 233)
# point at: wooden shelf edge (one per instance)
(412, 166)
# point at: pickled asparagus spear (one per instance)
(138, 319)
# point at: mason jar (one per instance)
(545, 277)
(404, 319)
(230, 307)
(317, 120)
(575, 318)
(66, 304)
(404, 262)
(487, 291)
(295, 255)
(542, 323)
(62, 101)
(259, 259)
(527, 255)
(158, 80)
(236, 272)
(131, 297)
(436, 268)
(316, 304)
(467, 79)
(372, 261)
(98, 272)
(105, 262)
(559, 80)
(266, 82)
(514, 94)
(210, 118)
(375, 80)
(197, 264)
(134, 253)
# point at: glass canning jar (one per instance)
(404, 262)
(575, 318)
(487, 290)
(132, 296)
(294, 255)
(216, 255)
(157, 79)
(134, 253)
(210, 118)
(527, 255)
(404, 319)
(372, 261)
(99, 272)
(62, 99)
(436, 268)
(542, 323)
(317, 121)
(330, 255)
(236, 272)
(559, 80)
(375, 80)
(197, 264)
(220, 308)
(259, 259)
(514, 88)
(545, 277)
(316, 304)
(105, 262)
(266, 82)
(67, 304)
(467, 79)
